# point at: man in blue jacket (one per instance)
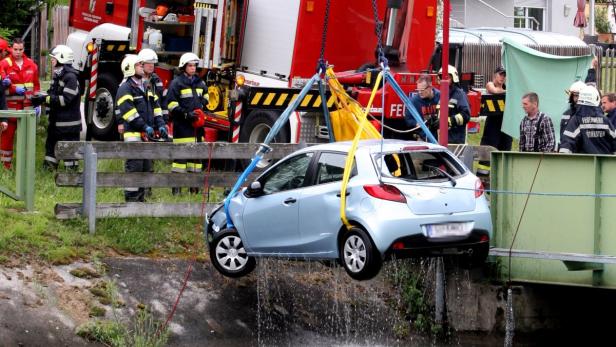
(425, 100)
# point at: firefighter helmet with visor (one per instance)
(148, 55)
(63, 54)
(589, 96)
(453, 72)
(576, 87)
(188, 58)
(128, 64)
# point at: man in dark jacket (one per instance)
(608, 105)
(186, 98)
(141, 113)
(573, 92)
(425, 100)
(588, 131)
(459, 110)
(63, 100)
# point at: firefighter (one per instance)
(492, 134)
(589, 131)
(425, 100)
(573, 94)
(141, 113)
(150, 59)
(63, 101)
(20, 78)
(186, 98)
(459, 111)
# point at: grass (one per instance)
(39, 235)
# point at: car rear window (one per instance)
(418, 165)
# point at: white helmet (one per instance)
(188, 58)
(453, 72)
(63, 54)
(575, 87)
(128, 64)
(148, 56)
(589, 96)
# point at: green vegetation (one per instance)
(40, 236)
(602, 23)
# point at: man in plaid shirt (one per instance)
(536, 128)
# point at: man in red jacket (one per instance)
(20, 78)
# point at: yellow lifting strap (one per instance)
(364, 129)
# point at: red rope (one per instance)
(199, 226)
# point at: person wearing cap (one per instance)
(459, 110)
(141, 113)
(536, 128)
(589, 131)
(492, 134)
(63, 101)
(186, 98)
(19, 75)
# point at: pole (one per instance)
(592, 18)
(444, 102)
(89, 186)
(439, 300)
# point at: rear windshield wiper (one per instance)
(443, 173)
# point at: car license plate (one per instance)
(448, 229)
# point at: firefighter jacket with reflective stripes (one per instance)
(565, 118)
(157, 84)
(63, 100)
(588, 131)
(459, 115)
(185, 94)
(24, 76)
(138, 108)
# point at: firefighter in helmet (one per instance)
(459, 111)
(573, 94)
(62, 100)
(141, 113)
(588, 131)
(153, 81)
(186, 99)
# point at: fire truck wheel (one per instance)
(255, 129)
(102, 125)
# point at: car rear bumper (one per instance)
(420, 245)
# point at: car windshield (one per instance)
(419, 165)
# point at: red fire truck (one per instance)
(272, 46)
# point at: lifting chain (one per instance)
(378, 30)
(321, 64)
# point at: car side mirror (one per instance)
(255, 189)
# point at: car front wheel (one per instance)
(229, 256)
(358, 255)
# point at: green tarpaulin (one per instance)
(548, 75)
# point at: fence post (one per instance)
(89, 186)
(30, 159)
(439, 300)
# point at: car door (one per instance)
(319, 207)
(271, 220)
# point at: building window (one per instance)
(529, 18)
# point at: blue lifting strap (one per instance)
(264, 147)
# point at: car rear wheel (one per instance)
(358, 255)
(229, 256)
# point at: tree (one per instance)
(602, 23)
(16, 15)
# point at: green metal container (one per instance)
(555, 224)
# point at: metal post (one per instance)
(89, 186)
(30, 159)
(439, 300)
(20, 149)
(591, 23)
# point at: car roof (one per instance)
(373, 146)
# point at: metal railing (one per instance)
(606, 74)
(25, 151)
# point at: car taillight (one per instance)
(385, 192)
(478, 188)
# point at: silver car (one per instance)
(404, 199)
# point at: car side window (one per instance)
(331, 167)
(288, 175)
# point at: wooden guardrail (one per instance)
(90, 180)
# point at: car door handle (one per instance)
(346, 194)
(290, 201)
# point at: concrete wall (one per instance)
(557, 21)
(478, 14)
